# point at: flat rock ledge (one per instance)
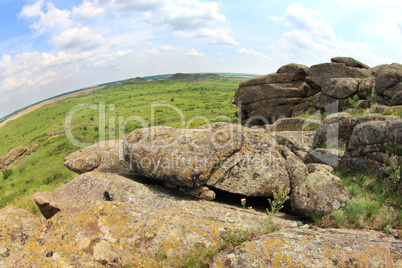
(315, 248)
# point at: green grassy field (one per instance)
(127, 106)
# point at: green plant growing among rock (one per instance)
(339, 218)
(280, 197)
(243, 202)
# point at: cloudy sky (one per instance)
(49, 47)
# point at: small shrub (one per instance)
(280, 198)
(354, 190)
(270, 226)
(372, 208)
(316, 217)
(339, 218)
(6, 173)
(232, 238)
(355, 210)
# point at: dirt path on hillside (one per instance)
(39, 105)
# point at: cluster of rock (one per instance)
(296, 89)
(369, 143)
(221, 156)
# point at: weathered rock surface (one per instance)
(388, 84)
(319, 193)
(184, 157)
(102, 187)
(331, 157)
(314, 167)
(13, 156)
(319, 74)
(331, 105)
(272, 96)
(315, 248)
(374, 145)
(113, 234)
(334, 131)
(340, 88)
(296, 124)
(350, 62)
(17, 226)
(105, 156)
(228, 157)
(299, 142)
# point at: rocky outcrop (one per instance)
(375, 147)
(328, 87)
(105, 156)
(315, 248)
(13, 156)
(267, 98)
(17, 226)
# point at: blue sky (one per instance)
(49, 47)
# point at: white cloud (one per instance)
(384, 19)
(89, 10)
(79, 39)
(186, 15)
(313, 36)
(216, 37)
(195, 54)
(137, 5)
(51, 17)
(34, 69)
(258, 55)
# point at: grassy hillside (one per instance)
(43, 130)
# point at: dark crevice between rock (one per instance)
(258, 203)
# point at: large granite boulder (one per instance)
(228, 157)
(331, 105)
(334, 131)
(340, 88)
(319, 193)
(319, 74)
(388, 84)
(105, 156)
(351, 62)
(17, 226)
(315, 248)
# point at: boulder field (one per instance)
(163, 192)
